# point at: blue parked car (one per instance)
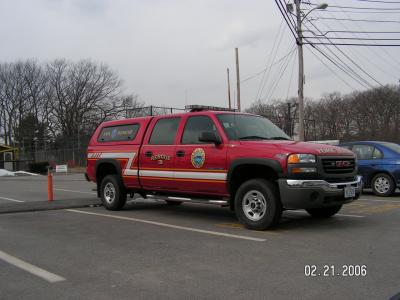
(378, 164)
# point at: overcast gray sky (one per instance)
(163, 49)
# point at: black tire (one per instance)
(173, 203)
(263, 219)
(383, 185)
(112, 192)
(324, 212)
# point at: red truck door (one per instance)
(200, 168)
(157, 155)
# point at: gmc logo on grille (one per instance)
(342, 163)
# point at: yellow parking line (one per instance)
(231, 225)
(380, 200)
(339, 215)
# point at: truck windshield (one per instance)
(249, 127)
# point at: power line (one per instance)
(368, 1)
(355, 38)
(359, 20)
(274, 85)
(290, 16)
(372, 49)
(365, 8)
(270, 66)
(269, 73)
(360, 12)
(340, 67)
(354, 44)
(349, 58)
(352, 31)
(358, 54)
(278, 3)
(379, 1)
(277, 41)
(290, 79)
(344, 67)
(335, 73)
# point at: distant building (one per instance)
(7, 155)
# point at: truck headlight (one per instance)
(301, 158)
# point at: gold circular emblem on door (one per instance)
(198, 158)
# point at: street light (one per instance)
(299, 41)
(321, 7)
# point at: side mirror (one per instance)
(210, 137)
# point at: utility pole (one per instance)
(237, 79)
(301, 70)
(229, 89)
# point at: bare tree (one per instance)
(79, 94)
(370, 114)
(60, 101)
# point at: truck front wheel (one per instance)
(257, 204)
(324, 212)
(113, 195)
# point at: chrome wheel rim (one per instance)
(254, 205)
(109, 192)
(382, 185)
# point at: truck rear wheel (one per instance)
(324, 212)
(113, 195)
(257, 204)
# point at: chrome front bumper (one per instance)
(296, 193)
(324, 184)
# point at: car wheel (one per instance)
(173, 203)
(257, 204)
(113, 195)
(382, 185)
(324, 212)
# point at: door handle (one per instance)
(180, 153)
(148, 153)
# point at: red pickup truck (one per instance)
(227, 158)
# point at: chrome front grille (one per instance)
(338, 165)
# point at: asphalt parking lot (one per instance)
(151, 250)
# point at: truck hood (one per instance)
(289, 147)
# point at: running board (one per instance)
(184, 199)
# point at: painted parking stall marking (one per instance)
(48, 276)
(242, 237)
(73, 191)
(339, 215)
(380, 200)
(10, 199)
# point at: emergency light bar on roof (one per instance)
(194, 108)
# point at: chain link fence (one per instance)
(72, 157)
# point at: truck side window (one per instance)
(118, 133)
(195, 126)
(164, 131)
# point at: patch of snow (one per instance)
(25, 173)
(4, 172)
